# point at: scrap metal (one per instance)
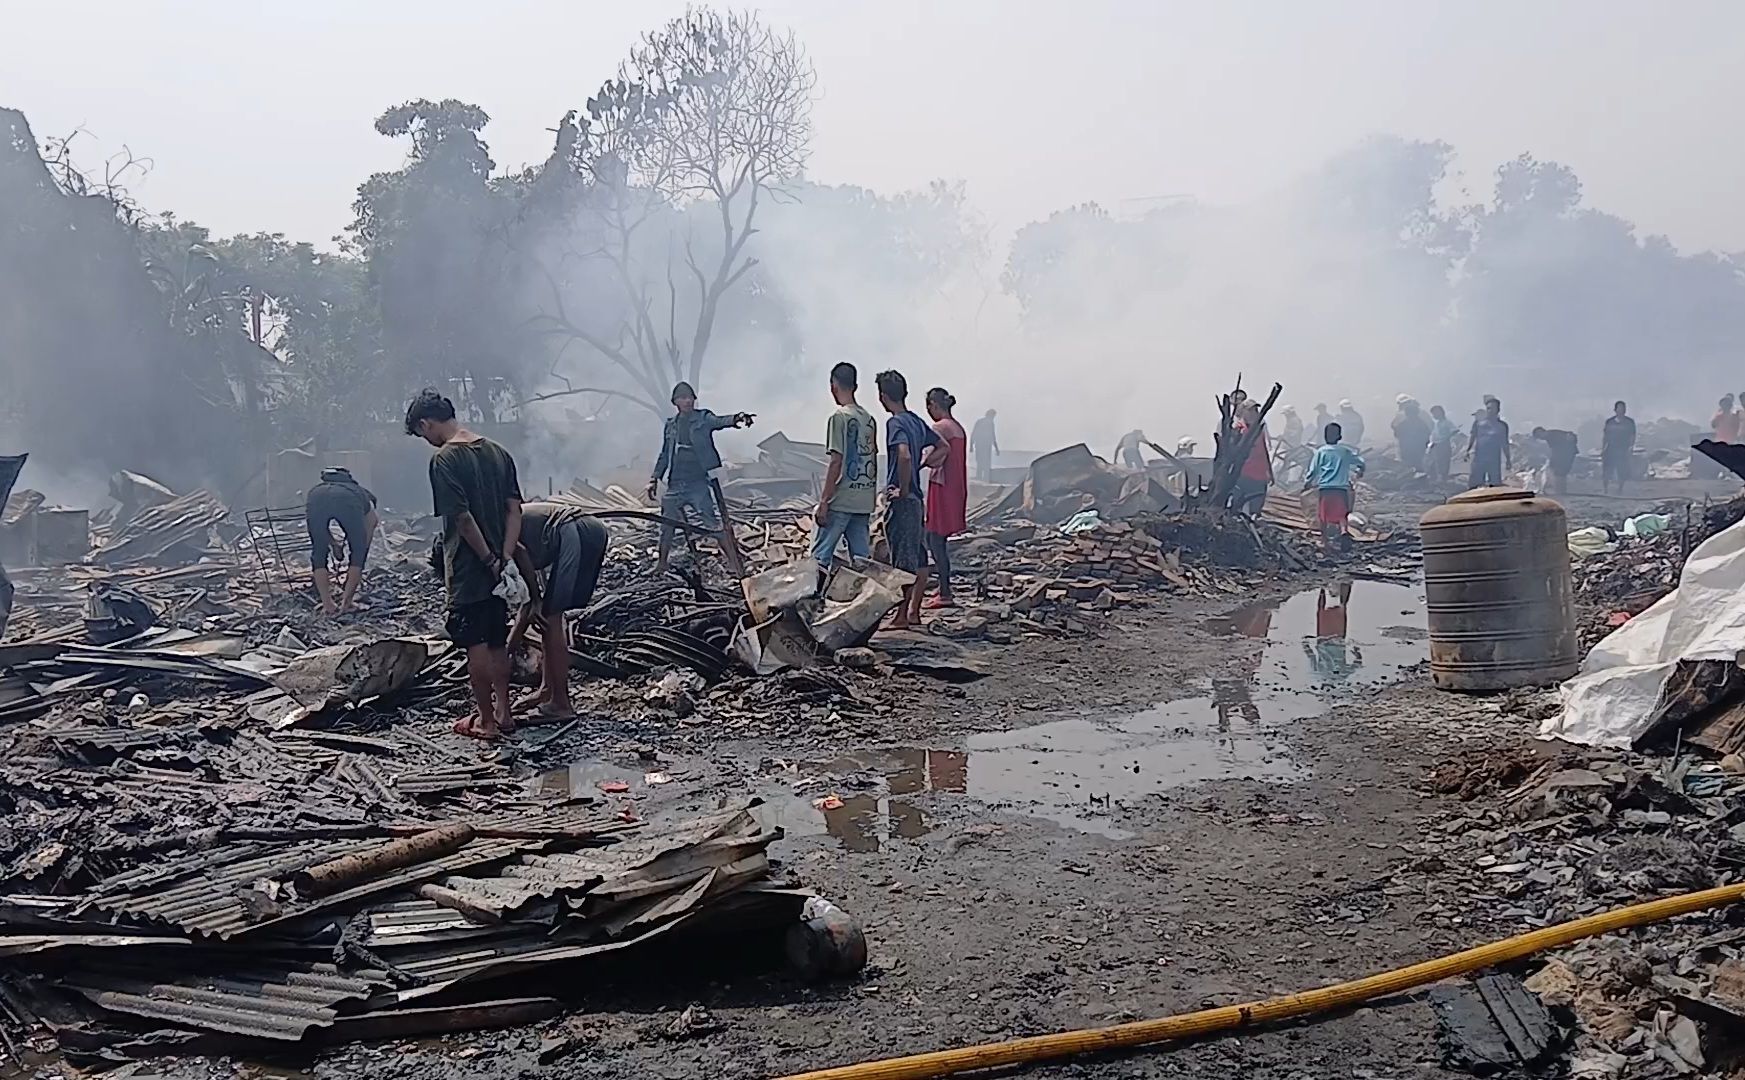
(186, 519)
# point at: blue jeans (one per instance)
(855, 528)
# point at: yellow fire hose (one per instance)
(1209, 1021)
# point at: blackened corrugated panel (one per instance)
(204, 900)
(281, 1004)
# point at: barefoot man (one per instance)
(568, 545)
(477, 495)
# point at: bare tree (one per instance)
(709, 117)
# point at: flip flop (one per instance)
(466, 728)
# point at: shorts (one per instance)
(1335, 506)
(839, 526)
(352, 522)
(905, 519)
(1615, 467)
(482, 622)
(697, 495)
(575, 567)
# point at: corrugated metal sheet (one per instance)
(280, 1004)
(557, 819)
(203, 898)
(415, 922)
(206, 903)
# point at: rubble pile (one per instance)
(1614, 586)
(1218, 540)
(205, 842)
(1588, 832)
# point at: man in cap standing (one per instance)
(687, 457)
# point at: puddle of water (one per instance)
(1349, 632)
(1072, 772)
(867, 820)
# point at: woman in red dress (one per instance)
(947, 491)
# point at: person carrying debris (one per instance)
(1127, 450)
(1617, 444)
(478, 496)
(1351, 423)
(1439, 455)
(910, 445)
(340, 499)
(1411, 433)
(947, 491)
(851, 482)
(984, 442)
(1331, 473)
(569, 545)
(687, 457)
(1563, 449)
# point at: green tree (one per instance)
(435, 235)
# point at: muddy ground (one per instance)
(1205, 803)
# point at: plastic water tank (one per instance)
(1496, 582)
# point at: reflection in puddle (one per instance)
(582, 779)
(867, 820)
(1072, 772)
(1353, 631)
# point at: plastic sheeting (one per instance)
(1613, 698)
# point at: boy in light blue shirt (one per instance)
(1331, 472)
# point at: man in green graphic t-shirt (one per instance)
(851, 484)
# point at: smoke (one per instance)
(1372, 276)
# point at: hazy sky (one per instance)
(258, 116)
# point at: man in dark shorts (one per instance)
(478, 497)
(569, 544)
(910, 444)
(339, 498)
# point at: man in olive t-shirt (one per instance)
(478, 497)
(851, 483)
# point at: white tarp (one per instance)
(1610, 702)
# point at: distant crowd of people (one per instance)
(1426, 442)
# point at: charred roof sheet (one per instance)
(268, 1003)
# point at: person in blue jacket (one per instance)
(687, 457)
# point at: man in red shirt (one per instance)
(1250, 493)
(947, 491)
